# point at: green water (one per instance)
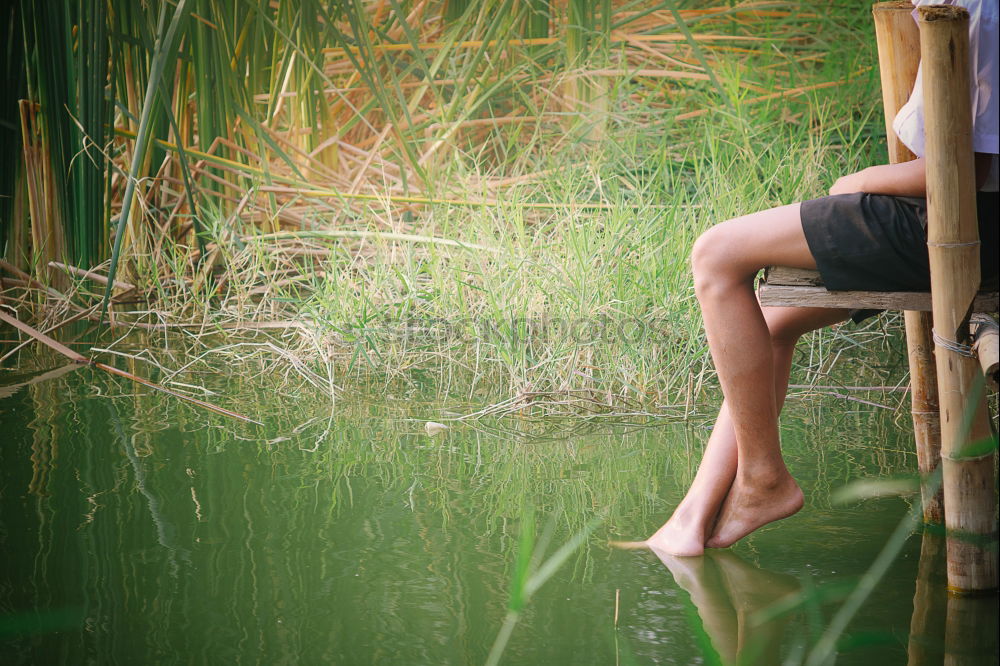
(136, 529)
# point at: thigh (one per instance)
(771, 237)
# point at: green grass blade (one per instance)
(698, 52)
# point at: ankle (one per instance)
(689, 518)
(765, 476)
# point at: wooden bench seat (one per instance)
(795, 287)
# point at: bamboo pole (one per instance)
(925, 410)
(898, 41)
(953, 246)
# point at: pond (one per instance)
(137, 529)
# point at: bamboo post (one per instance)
(953, 246)
(898, 40)
(924, 410)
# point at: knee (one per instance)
(711, 264)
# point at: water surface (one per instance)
(136, 529)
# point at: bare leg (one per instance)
(691, 523)
(756, 347)
(725, 259)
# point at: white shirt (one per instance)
(984, 37)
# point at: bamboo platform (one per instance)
(949, 410)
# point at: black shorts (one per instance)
(876, 242)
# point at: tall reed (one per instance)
(11, 170)
(66, 61)
(282, 90)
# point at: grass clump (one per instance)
(414, 193)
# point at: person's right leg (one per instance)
(725, 260)
(692, 522)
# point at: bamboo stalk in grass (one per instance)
(89, 132)
(163, 53)
(47, 234)
(588, 38)
(535, 24)
(382, 78)
(43, 136)
(134, 30)
(217, 76)
(12, 70)
(380, 73)
(577, 33)
(699, 53)
(953, 246)
(17, 246)
(898, 40)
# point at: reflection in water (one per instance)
(166, 533)
(949, 629)
(971, 631)
(930, 598)
(729, 594)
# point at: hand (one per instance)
(852, 182)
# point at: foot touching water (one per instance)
(749, 506)
(678, 540)
(673, 539)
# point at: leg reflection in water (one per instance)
(729, 594)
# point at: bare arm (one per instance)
(906, 179)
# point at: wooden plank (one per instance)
(798, 287)
(819, 297)
(793, 276)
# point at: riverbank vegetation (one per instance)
(494, 197)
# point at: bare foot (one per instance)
(748, 507)
(678, 539)
(671, 540)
